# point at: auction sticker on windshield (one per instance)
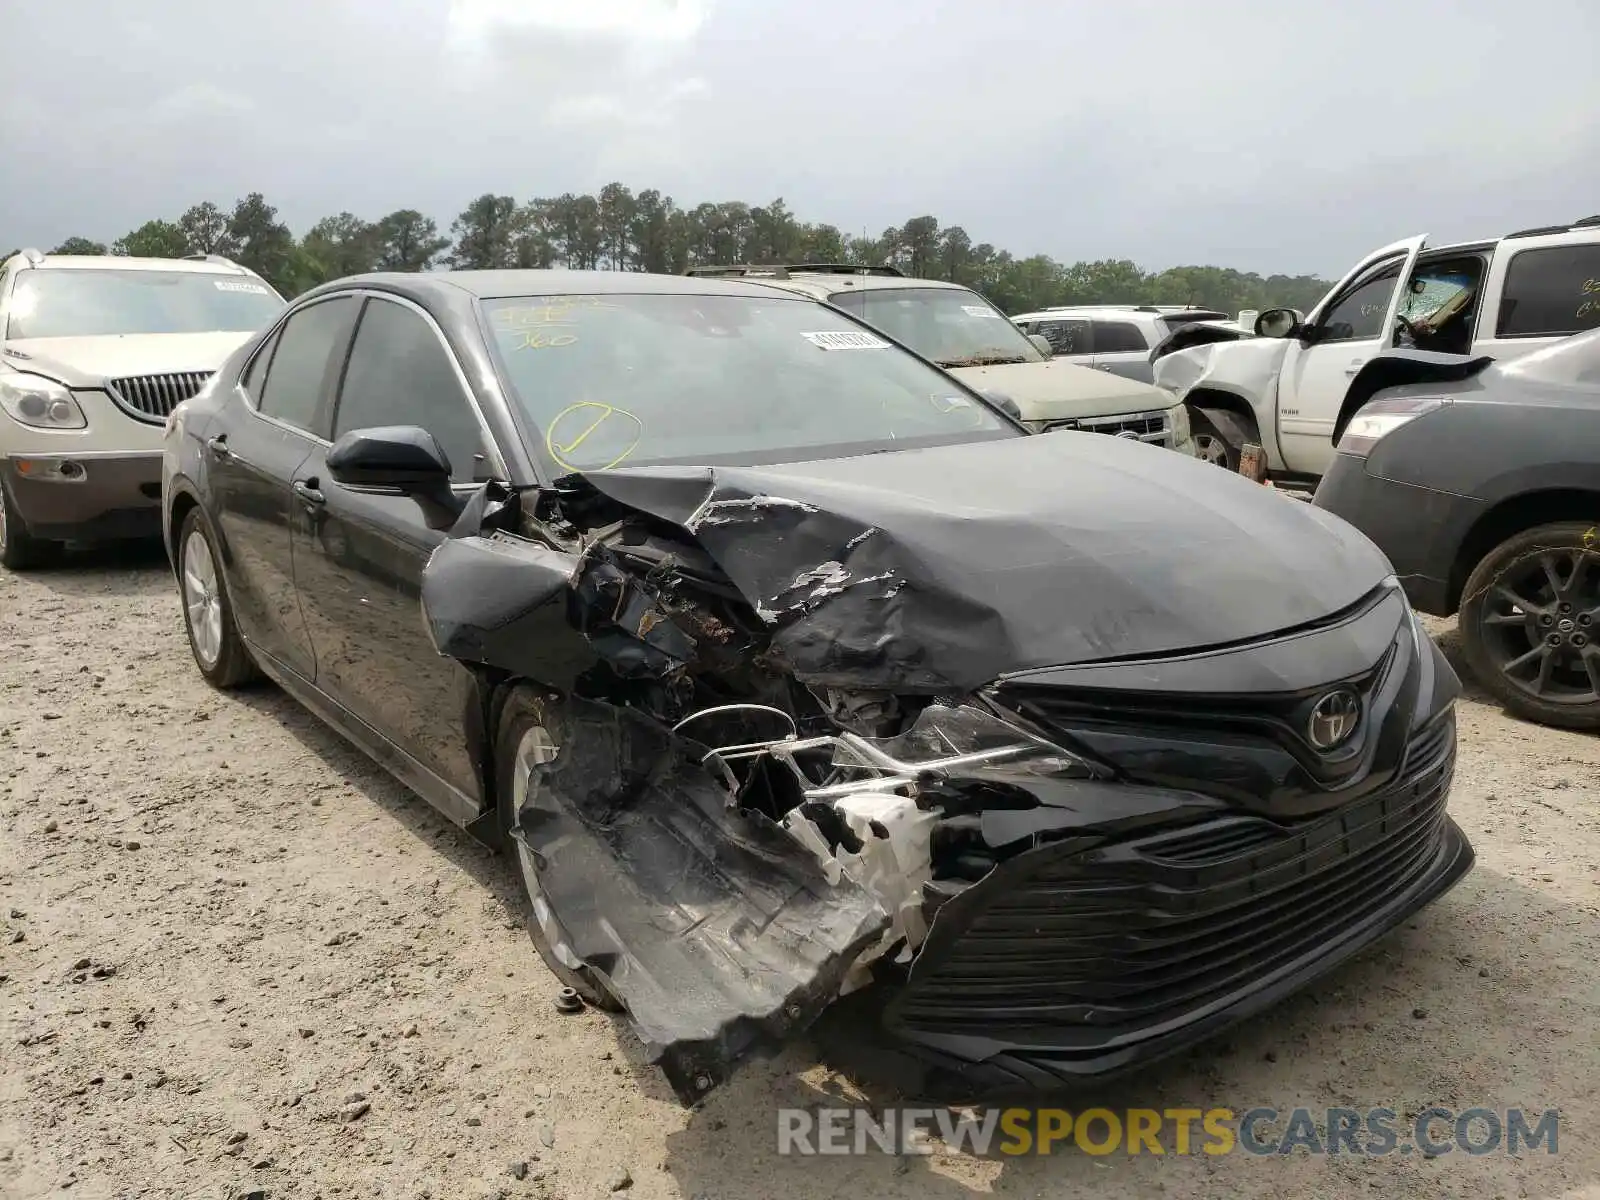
(846, 339)
(978, 310)
(229, 285)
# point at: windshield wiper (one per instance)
(982, 360)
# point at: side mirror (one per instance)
(1279, 323)
(397, 456)
(1042, 344)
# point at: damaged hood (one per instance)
(1058, 391)
(1247, 367)
(938, 570)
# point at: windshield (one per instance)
(1572, 360)
(1431, 290)
(952, 326)
(88, 303)
(610, 380)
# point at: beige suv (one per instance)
(962, 332)
(95, 353)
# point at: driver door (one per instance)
(1352, 325)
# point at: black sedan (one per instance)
(783, 663)
(1481, 482)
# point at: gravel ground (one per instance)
(235, 956)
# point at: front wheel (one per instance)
(1211, 441)
(531, 733)
(1530, 615)
(19, 549)
(218, 650)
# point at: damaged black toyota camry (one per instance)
(784, 665)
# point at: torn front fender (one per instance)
(715, 929)
(502, 601)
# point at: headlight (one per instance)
(39, 402)
(1377, 420)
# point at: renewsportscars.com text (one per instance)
(1373, 1132)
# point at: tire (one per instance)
(214, 639)
(1217, 438)
(19, 549)
(1530, 617)
(529, 719)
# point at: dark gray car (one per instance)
(1481, 482)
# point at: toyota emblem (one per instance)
(1127, 433)
(1333, 719)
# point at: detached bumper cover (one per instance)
(87, 497)
(1068, 964)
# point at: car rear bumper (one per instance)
(1069, 966)
(90, 496)
(1417, 529)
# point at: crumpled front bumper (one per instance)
(1067, 965)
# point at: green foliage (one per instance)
(78, 245)
(620, 230)
(153, 239)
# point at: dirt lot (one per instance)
(218, 922)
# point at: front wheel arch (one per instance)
(1510, 517)
(1229, 416)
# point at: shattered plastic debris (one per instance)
(707, 923)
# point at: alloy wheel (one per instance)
(1539, 621)
(202, 599)
(1212, 449)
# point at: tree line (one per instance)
(622, 230)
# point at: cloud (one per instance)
(1263, 136)
(672, 21)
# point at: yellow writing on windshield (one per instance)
(542, 337)
(546, 324)
(578, 425)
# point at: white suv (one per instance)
(95, 353)
(1114, 337)
(957, 329)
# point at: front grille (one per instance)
(153, 397)
(1144, 426)
(1127, 939)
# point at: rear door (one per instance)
(1120, 347)
(1540, 289)
(1352, 324)
(252, 453)
(361, 551)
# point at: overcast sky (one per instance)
(1267, 136)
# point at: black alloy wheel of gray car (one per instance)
(530, 733)
(218, 650)
(19, 549)
(1530, 617)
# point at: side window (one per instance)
(401, 374)
(1551, 292)
(1359, 314)
(292, 391)
(1066, 337)
(256, 373)
(1118, 337)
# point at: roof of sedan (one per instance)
(492, 284)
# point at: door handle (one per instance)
(219, 446)
(306, 489)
